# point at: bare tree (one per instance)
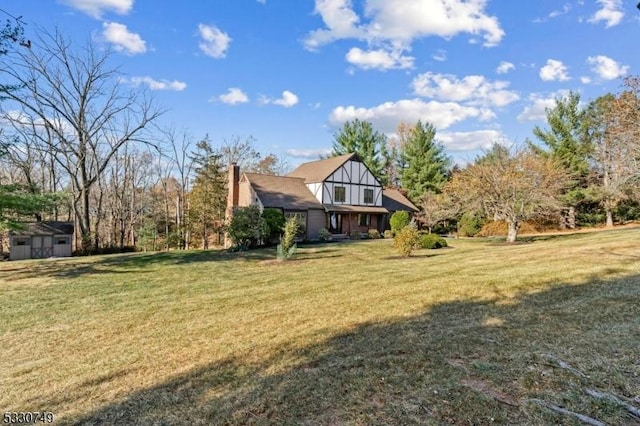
(79, 109)
(176, 151)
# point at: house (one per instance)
(338, 193)
(38, 240)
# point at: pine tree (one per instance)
(370, 145)
(208, 197)
(567, 141)
(426, 166)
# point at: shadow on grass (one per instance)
(137, 262)
(462, 362)
(129, 262)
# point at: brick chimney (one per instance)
(233, 196)
(234, 185)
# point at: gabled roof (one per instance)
(289, 193)
(320, 170)
(393, 200)
(44, 228)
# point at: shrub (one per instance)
(274, 219)
(374, 233)
(432, 241)
(470, 224)
(355, 235)
(388, 233)
(399, 220)
(246, 228)
(324, 235)
(287, 247)
(407, 240)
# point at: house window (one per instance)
(339, 194)
(301, 218)
(62, 240)
(21, 241)
(368, 196)
(364, 219)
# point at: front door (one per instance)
(335, 223)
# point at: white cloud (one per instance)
(214, 42)
(340, 19)
(470, 141)
(474, 89)
(402, 21)
(606, 68)
(554, 14)
(234, 96)
(386, 116)
(537, 109)
(379, 59)
(122, 39)
(308, 153)
(610, 12)
(554, 71)
(95, 8)
(287, 100)
(153, 84)
(391, 26)
(440, 55)
(505, 67)
(585, 80)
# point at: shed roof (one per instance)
(320, 170)
(44, 228)
(393, 200)
(289, 193)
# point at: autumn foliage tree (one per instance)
(512, 186)
(614, 123)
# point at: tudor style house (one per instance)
(338, 193)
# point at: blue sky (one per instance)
(290, 73)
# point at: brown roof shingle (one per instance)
(318, 171)
(289, 193)
(393, 200)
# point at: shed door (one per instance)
(41, 246)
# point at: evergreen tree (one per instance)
(426, 165)
(208, 198)
(370, 145)
(567, 141)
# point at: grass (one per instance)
(348, 333)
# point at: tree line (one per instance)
(77, 144)
(580, 169)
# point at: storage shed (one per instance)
(39, 240)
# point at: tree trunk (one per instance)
(609, 213)
(571, 218)
(84, 219)
(512, 232)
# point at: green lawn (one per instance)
(348, 333)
